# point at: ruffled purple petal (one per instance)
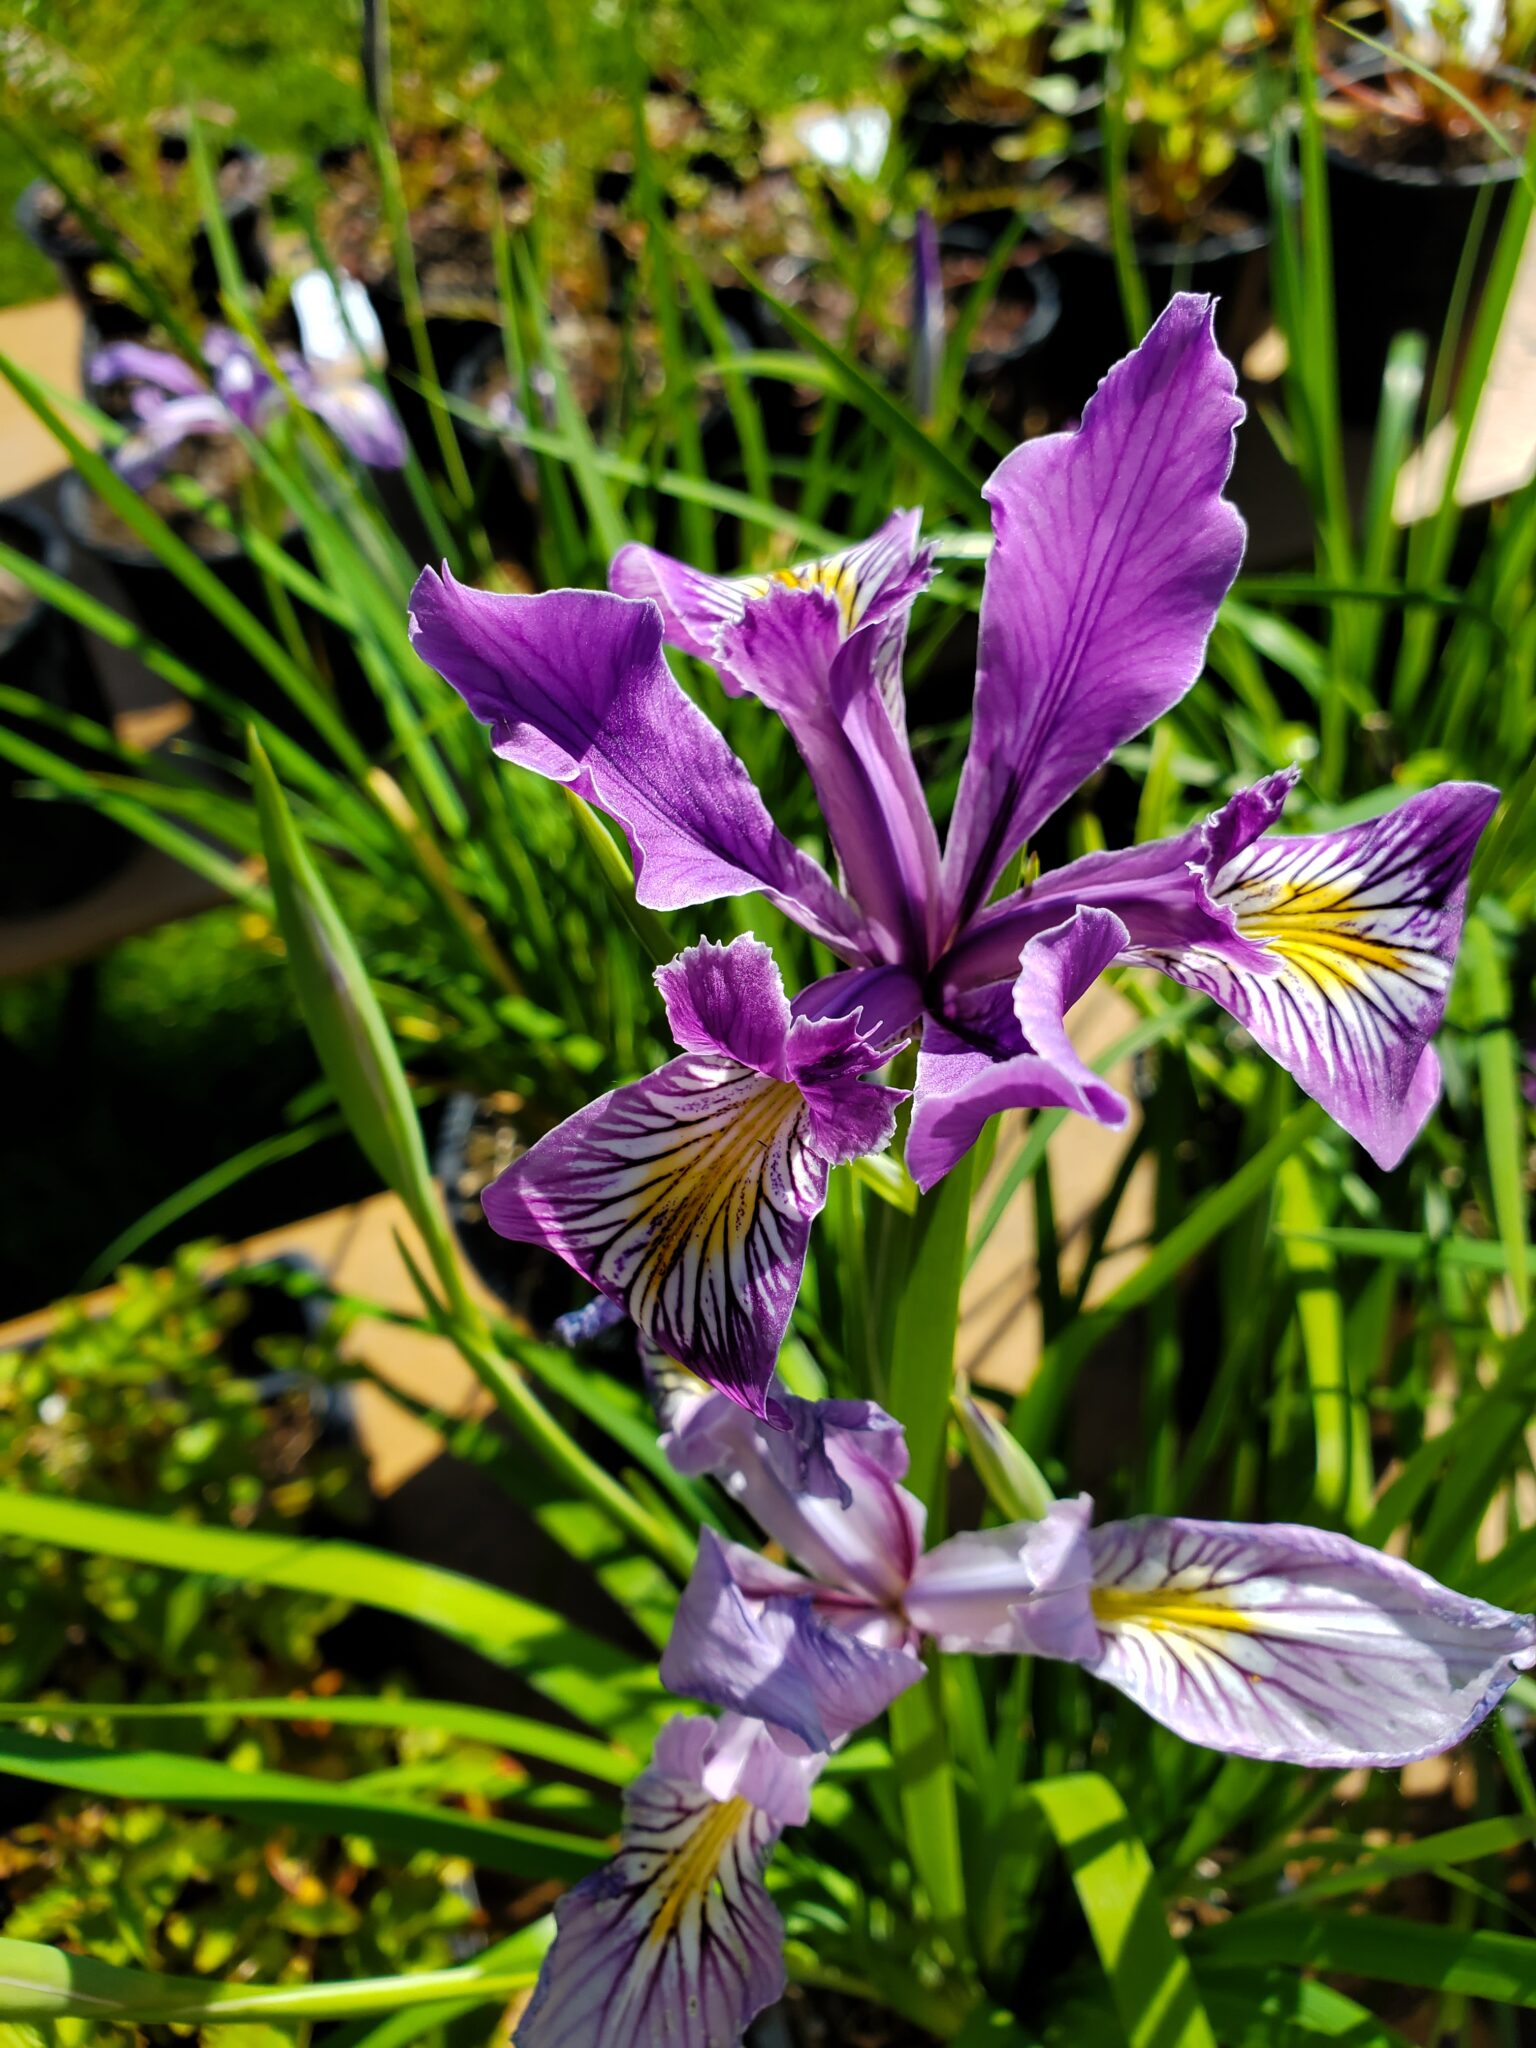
(765, 1642)
(119, 361)
(825, 683)
(991, 1054)
(874, 584)
(573, 686)
(1358, 930)
(729, 999)
(1114, 549)
(827, 1487)
(675, 1943)
(1296, 1645)
(1018, 1591)
(887, 1001)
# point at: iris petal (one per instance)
(675, 1943)
(1359, 930)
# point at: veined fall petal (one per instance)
(675, 1943)
(687, 1197)
(1359, 930)
(1274, 1641)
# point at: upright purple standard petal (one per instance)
(1114, 549)
(993, 1052)
(675, 1943)
(1358, 930)
(687, 1197)
(874, 585)
(1289, 1644)
(573, 686)
(824, 682)
(811, 1659)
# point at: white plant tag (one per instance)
(327, 346)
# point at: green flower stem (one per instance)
(921, 1384)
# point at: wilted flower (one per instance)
(1113, 550)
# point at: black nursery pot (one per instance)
(75, 253)
(504, 476)
(1400, 230)
(50, 853)
(1090, 335)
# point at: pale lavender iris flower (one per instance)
(1276, 1641)
(1113, 550)
(171, 402)
(676, 1943)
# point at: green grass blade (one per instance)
(1037, 1410)
(1473, 1962)
(283, 1798)
(591, 1679)
(1152, 1985)
(610, 1764)
(38, 1982)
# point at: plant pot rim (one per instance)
(52, 553)
(75, 493)
(55, 242)
(1169, 255)
(1502, 170)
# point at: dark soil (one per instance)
(447, 182)
(1084, 217)
(216, 462)
(824, 2019)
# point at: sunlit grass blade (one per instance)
(590, 1678)
(38, 1982)
(1152, 1985)
(284, 1799)
(609, 1763)
(1038, 1408)
(1477, 1962)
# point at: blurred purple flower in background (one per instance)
(171, 402)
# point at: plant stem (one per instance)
(921, 1383)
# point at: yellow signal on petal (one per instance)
(835, 574)
(1321, 926)
(1164, 1607)
(689, 1876)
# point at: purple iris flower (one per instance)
(676, 1943)
(1289, 1644)
(1276, 1641)
(171, 402)
(1113, 550)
